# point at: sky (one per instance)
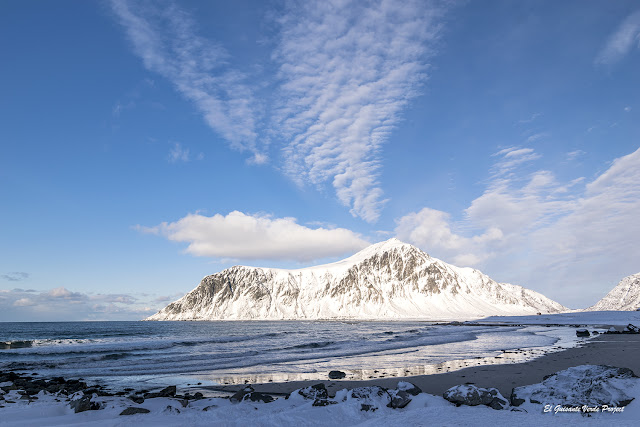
(147, 144)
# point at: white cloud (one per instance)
(178, 153)
(512, 158)
(627, 109)
(242, 236)
(572, 155)
(348, 69)
(620, 43)
(166, 41)
(430, 228)
(572, 241)
(537, 136)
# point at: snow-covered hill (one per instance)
(390, 279)
(624, 297)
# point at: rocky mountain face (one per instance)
(624, 297)
(386, 280)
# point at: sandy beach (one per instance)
(614, 350)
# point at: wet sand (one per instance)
(614, 350)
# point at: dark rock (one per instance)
(136, 399)
(198, 396)
(470, 395)
(582, 333)
(132, 411)
(317, 391)
(514, 400)
(337, 375)
(258, 397)
(399, 399)
(370, 398)
(171, 410)
(81, 405)
(239, 396)
(165, 392)
(210, 407)
(323, 402)
(410, 388)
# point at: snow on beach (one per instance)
(424, 409)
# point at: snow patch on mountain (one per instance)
(624, 297)
(386, 280)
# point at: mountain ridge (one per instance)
(625, 296)
(387, 280)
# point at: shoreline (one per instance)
(606, 349)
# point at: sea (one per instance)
(151, 354)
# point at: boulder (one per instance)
(591, 385)
(399, 399)
(239, 395)
(582, 333)
(412, 389)
(471, 395)
(317, 391)
(258, 397)
(83, 404)
(337, 375)
(369, 398)
(133, 410)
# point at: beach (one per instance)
(614, 350)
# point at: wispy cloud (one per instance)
(15, 276)
(537, 136)
(530, 119)
(622, 41)
(572, 155)
(627, 109)
(250, 237)
(166, 40)
(573, 238)
(348, 69)
(179, 153)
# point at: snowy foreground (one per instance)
(593, 395)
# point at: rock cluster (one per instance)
(470, 395)
(591, 385)
(369, 398)
(81, 397)
(629, 329)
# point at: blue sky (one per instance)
(148, 144)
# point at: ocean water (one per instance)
(213, 353)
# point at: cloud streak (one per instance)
(257, 237)
(622, 41)
(348, 69)
(165, 40)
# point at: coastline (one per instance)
(606, 349)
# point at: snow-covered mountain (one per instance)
(390, 279)
(624, 297)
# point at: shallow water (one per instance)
(211, 353)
